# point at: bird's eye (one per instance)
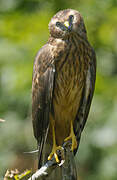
(61, 26)
(71, 17)
(58, 24)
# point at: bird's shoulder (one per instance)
(49, 54)
(43, 59)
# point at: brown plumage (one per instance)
(63, 84)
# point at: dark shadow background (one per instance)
(23, 30)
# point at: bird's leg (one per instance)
(72, 137)
(55, 147)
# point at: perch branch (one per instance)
(44, 171)
(47, 169)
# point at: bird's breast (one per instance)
(69, 82)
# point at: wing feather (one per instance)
(86, 99)
(42, 88)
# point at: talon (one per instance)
(53, 153)
(56, 157)
(50, 157)
(68, 138)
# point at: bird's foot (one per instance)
(74, 141)
(54, 153)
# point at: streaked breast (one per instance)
(69, 83)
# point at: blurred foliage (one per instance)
(23, 30)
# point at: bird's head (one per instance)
(66, 22)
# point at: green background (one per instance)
(23, 30)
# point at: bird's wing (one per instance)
(86, 99)
(42, 89)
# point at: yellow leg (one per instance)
(55, 147)
(72, 137)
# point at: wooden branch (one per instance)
(45, 170)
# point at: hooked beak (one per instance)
(68, 25)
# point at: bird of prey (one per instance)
(63, 84)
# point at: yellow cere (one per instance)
(66, 23)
